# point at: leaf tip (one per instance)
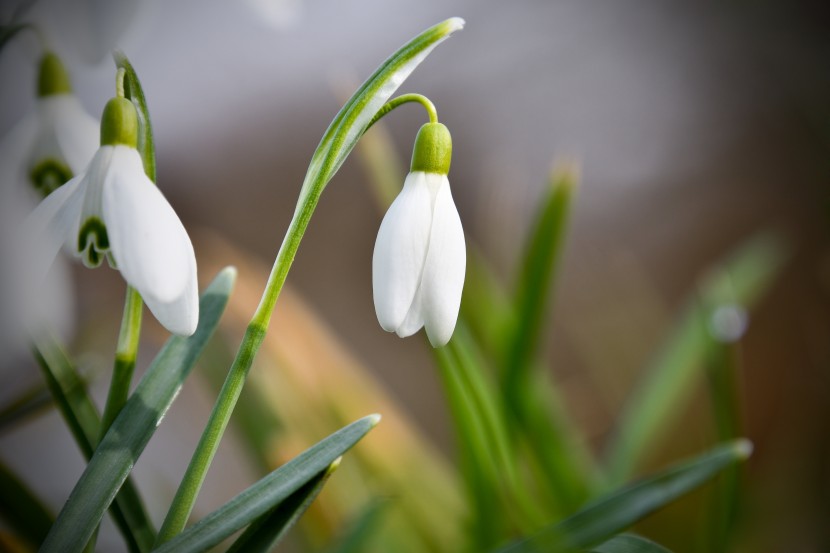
(333, 466)
(374, 419)
(229, 272)
(454, 24)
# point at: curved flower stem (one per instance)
(338, 141)
(125, 355)
(404, 99)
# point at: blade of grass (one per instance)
(263, 534)
(22, 509)
(116, 454)
(269, 492)
(629, 543)
(669, 379)
(613, 513)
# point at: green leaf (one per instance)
(269, 492)
(653, 406)
(118, 451)
(539, 268)
(22, 509)
(629, 543)
(263, 534)
(529, 395)
(613, 513)
(134, 93)
(77, 409)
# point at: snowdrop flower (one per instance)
(43, 151)
(420, 258)
(53, 143)
(113, 209)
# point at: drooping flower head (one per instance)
(45, 149)
(114, 210)
(420, 258)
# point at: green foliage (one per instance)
(118, 451)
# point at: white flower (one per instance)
(53, 143)
(65, 141)
(420, 258)
(45, 149)
(114, 209)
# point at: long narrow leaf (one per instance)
(613, 513)
(535, 407)
(77, 409)
(669, 380)
(118, 451)
(24, 512)
(354, 117)
(263, 534)
(269, 492)
(539, 268)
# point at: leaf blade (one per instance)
(114, 458)
(747, 273)
(613, 513)
(268, 492)
(263, 534)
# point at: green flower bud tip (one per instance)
(52, 78)
(433, 150)
(119, 123)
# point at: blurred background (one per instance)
(694, 124)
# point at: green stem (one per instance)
(339, 139)
(401, 100)
(185, 498)
(125, 356)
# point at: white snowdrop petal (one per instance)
(14, 148)
(50, 225)
(77, 133)
(400, 251)
(444, 269)
(148, 241)
(180, 316)
(414, 320)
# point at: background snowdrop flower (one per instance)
(113, 209)
(420, 257)
(53, 143)
(43, 151)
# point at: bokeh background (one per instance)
(694, 124)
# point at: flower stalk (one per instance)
(338, 141)
(129, 336)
